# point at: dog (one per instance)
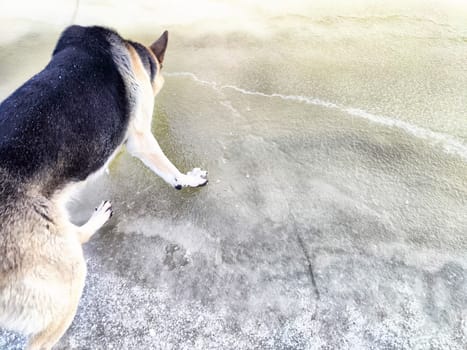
(61, 127)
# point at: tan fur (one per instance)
(43, 268)
(141, 143)
(158, 82)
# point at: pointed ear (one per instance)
(159, 46)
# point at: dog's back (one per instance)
(65, 122)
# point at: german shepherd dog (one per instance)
(58, 129)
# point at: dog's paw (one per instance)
(198, 176)
(193, 178)
(102, 213)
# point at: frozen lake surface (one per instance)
(336, 212)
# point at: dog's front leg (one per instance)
(144, 146)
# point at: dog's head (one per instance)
(147, 62)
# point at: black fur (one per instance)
(64, 123)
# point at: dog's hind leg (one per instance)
(46, 339)
(71, 292)
(100, 216)
(144, 146)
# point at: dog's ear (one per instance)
(159, 46)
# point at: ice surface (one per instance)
(335, 216)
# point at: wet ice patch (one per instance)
(449, 143)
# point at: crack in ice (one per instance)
(449, 143)
(309, 266)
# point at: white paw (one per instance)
(193, 178)
(101, 214)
